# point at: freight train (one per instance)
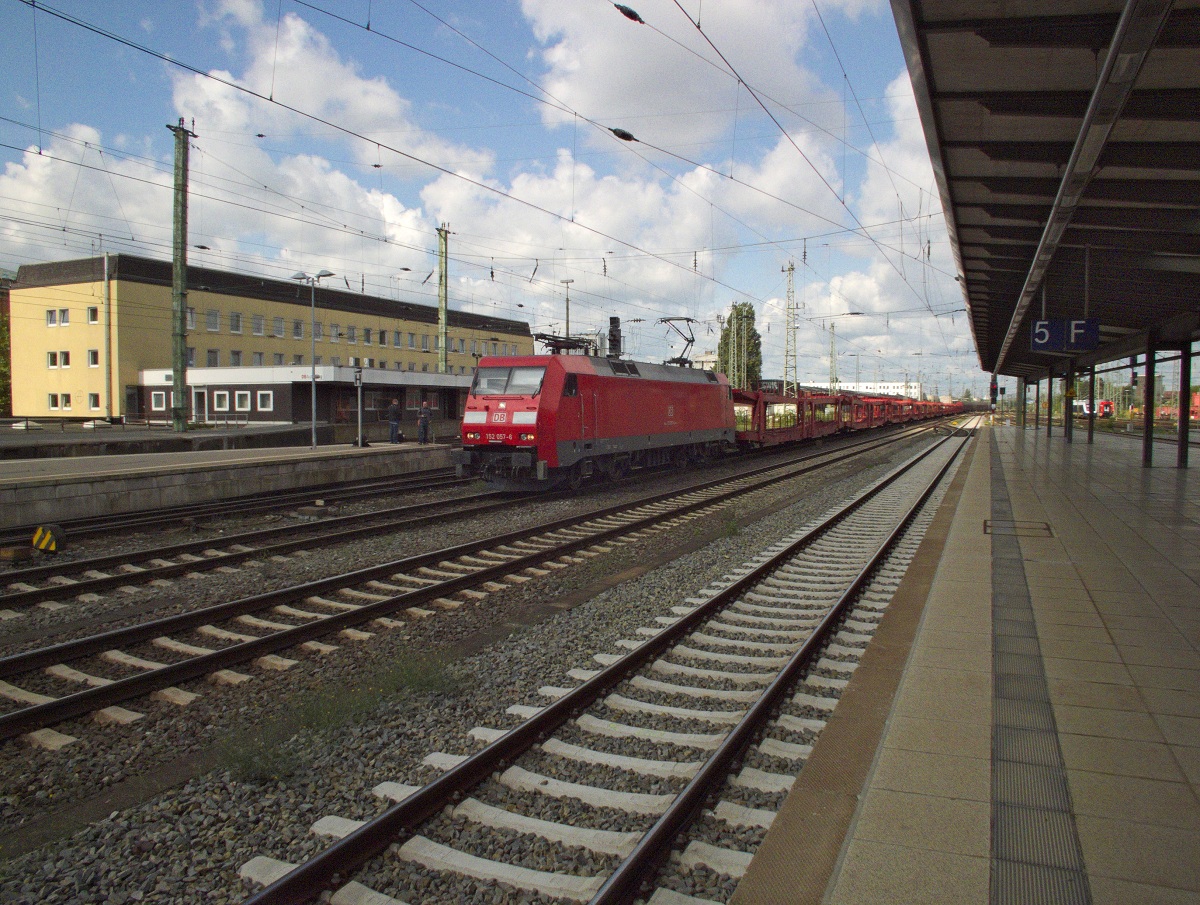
(540, 421)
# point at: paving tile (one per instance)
(1172, 702)
(928, 699)
(1173, 640)
(1082, 693)
(1115, 586)
(953, 736)
(1050, 597)
(1136, 799)
(1071, 649)
(976, 641)
(1051, 630)
(1087, 670)
(1166, 677)
(1120, 756)
(1124, 603)
(898, 875)
(1173, 657)
(1179, 730)
(1054, 576)
(1054, 615)
(1188, 758)
(959, 621)
(933, 774)
(1105, 723)
(929, 656)
(1139, 624)
(1140, 852)
(926, 822)
(1109, 891)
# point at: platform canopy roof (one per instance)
(1065, 138)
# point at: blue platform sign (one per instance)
(1072, 335)
(1082, 335)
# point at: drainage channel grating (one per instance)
(1036, 858)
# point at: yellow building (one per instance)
(91, 338)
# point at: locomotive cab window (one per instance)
(508, 381)
(571, 385)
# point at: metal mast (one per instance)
(179, 406)
(790, 383)
(833, 378)
(736, 367)
(443, 234)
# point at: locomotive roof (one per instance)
(589, 364)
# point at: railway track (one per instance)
(706, 719)
(254, 504)
(155, 657)
(86, 579)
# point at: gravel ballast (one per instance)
(187, 844)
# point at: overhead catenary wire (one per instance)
(307, 211)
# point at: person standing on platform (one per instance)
(423, 419)
(393, 416)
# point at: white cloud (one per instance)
(659, 88)
(636, 241)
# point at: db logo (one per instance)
(500, 417)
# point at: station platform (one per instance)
(34, 490)
(1025, 726)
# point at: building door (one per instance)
(200, 404)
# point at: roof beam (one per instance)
(1091, 216)
(1097, 239)
(1147, 105)
(1090, 32)
(1154, 155)
(1137, 31)
(1174, 192)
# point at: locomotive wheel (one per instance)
(575, 477)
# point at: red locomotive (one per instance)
(538, 420)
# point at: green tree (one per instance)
(739, 352)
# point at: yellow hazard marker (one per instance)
(49, 538)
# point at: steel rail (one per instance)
(42, 715)
(151, 573)
(344, 857)
(91, 526)
(626, 881)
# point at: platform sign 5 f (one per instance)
(1074, 335)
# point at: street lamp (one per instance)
(312, 283)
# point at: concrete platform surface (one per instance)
(1028, 729)
(53, 490)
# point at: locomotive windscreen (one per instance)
(508, 381)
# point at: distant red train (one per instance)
(538, 421)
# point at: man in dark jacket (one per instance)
(423, 419)
(393, 415)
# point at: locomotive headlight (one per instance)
(528, 438)
(473, 435)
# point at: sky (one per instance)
(340, 134)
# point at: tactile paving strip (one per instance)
(1035, 856)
